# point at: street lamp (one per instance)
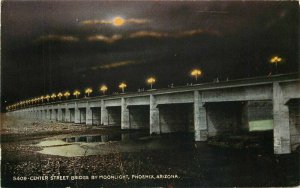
(76, 93)
(42, 98)
(103, 89)
(36, 100)
(275, 60)
(88, 91)
(32, 101)
(67, 94)
(151, 81)
(196, 73)
(122, 86)
(59, 95)
(47, 98)
(53, 96)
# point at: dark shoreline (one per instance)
(196, 164)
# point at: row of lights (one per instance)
(67, 94)
(194, 73)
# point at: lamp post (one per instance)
(36, 100)
(103, 89)
(42, 98)
(122, 86)
(53, 96)
(88, 91)
(196, 73)
(151, 81)
(276, 60)
(67, 94)
(76, 93)
(32, 101)
(59, 95)
(47, 98)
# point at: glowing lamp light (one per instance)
(103, 89)
(53, 96)
(59, 95)
(88, 91)
(47, 98)
(42, 98)
(35, 100)
(67, 94)
(196, 73)
(122, 86)
(276, 60)
(76, 93)
(151, 81)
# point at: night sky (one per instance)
(57, 46)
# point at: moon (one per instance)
(118, 21)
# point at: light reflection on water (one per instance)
(93, 138)
(84, 145)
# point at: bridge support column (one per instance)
(77, 114)
(59, 114)
(89, 115)
(38, 114)
(125, 123)
(45, 115)
(200, 121)
(48, 114)
(51, 114)
(67, 115)
(54, 115)
(154, 116)
(104, 114)
(282, 141)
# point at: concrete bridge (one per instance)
(206, 109)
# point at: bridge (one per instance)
(206, 109)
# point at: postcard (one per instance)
(150, 93)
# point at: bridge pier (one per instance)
(63, 114)
(89, 115)
(67, 114)
(104, 114)
(48, 114)
(59, 114)
(154, 116)
(125, 124)
(72, 115)
(82, 115)
(39, 112)
(52, 114)
(76, 114)
(36, 114)
(282, 139)
(43, 114)
(200, 118)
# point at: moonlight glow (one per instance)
(118, 21)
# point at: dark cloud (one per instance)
(58, 38)
(62, 45)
